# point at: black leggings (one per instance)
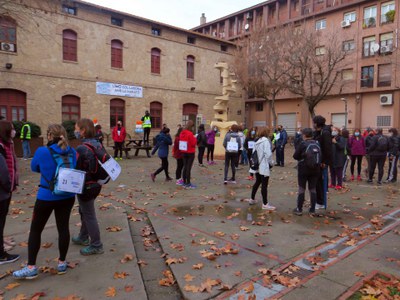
(164, 166)
(146, 135)
(263, 180)
(118, 147)
(41, 213)
(201, 154)
(353, 162)
(188, 159)
(4, 206)
(179, 167)
(210, 150)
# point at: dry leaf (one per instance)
(198, 266)
(188, 277)
(126, 258)
(128, 288)
(37, 295)
(113, 228)
(111, 292)
(249, 289)
(121, 275)
(11, 286)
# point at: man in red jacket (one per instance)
(118, 136)
(187, 145)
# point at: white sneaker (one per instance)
(268, 207)
(319, 206)
(251, 201)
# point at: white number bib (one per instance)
(183, 145)
(112, 168)
(70, 180)
(251, 144)
(232, 146)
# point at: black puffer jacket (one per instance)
(324, 138)
(394, 145)
(374, 150)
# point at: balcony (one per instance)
(369, 22)
(388, 17)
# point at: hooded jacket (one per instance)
(44, 164)
(122, 135)
(211, 137)
(187, 136)
(228, 137)
(324, 138)
(264, 152)
(163, 141)
(202, 139)
(373, 148)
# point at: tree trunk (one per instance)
(274, 117)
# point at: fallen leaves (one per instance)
(188, 277)
(126, 258)
(168, 279)
(11, 286)
(113, 228)
(111, 292)
(121, 275)
(198, 266)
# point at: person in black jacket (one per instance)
(306, 174)
(377, 152)
(322, 135)
(339, 158)
(368, 143)
(201, 144)
(394, 150)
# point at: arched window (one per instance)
(190, 67)
(116, 54)
(156, 114)
(117, 111)
(155, 61)
(8, 34)
(12, 104)
(189, 112)
(70, 45)
(70, 108)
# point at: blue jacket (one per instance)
(44, 164)
(163, 141)
(282, 138)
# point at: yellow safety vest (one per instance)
(28, 134)
(146, 122)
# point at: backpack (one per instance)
(312, 156)
(99, 174)
(383, 143)
(62, 161)
(254, 161)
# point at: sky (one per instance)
(180, 13)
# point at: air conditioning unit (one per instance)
(7, 47)
(385, 49)
(249, 16)
(386, 99)
(345, 23)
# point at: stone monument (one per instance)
(221, 108)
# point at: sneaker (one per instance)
(153, 177)
(62, 267)
(90, 250)
(319, 206)
(352, 178)
(8, 258)
(379, 182)
(225, 181)
(233, 181)
(179, 182)
(369, 180)
(268, 207)
(78, 241)
(202, 166)
(359, 178)
(168, 179)
(251, 201)
(250, 178)
(297, 212)
(338, 187)
(26, 273)
(190, 186)
(213, 163)
(331, 186)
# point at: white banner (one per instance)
(116, 89)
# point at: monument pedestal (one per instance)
(223, 127)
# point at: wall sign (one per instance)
(116, 89)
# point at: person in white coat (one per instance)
(264, 152)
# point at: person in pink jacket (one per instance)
(356, 145)
(118, 136)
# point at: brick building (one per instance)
(66, 61)
(372, 98)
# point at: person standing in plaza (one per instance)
(99, 134)
(356, 144)
(25, 137)
(211, 145)
(89, 235)
(339, 158)
(177, 154)
(308, 154)
(248, 146)
(201, 144)
(232, 143)
(8, 184)
(377, 152)
(264, 154)
(47, 201)
(280, 143)
(118, 136)
(187, 145)
(163, 142)
(146, 119)
(322, 134)
(394, 151)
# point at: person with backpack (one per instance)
(308, 155)
(118, 136)
(377, 152)
(201, 144)
(89, 235)
(394, 151)
(232, 143)
(47, 161)
(8, 184)
(187, 145)
(248, 146)
(356, 144)
(211, 145)
(177, 154)
(339, 158)
(261, 163)
(163, 142)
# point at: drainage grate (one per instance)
(295, 271)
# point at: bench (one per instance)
(126, 150)
(144, 147)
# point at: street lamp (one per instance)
(345, 111)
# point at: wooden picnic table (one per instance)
(138, 145)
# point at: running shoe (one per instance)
(90, 250)
(26, 273)
(268, 207)
(8, 258)
(62, 267)
(78, 241)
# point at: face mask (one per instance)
(357, 134)
(253, 133)
(77, 134)
(13, 133)
(215, 129)
(334, 133)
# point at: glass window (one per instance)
(383, 121)
(369, 17)
(350, 16)
(8, 38)
(156, 114)
(349, 45)
(155, 61)
(116, 21)
(388, 10)
(347, 74)
(386, 43)
(116, 54)
(320, 50)
(70, 108)
(190, 67)
(69, 10)
(156, 31)
(320, 24)
(369, 46)
(385, 75)
(3, 112)
(191, 40)
(367, 76)
(259, 106)
(70, 45)
(117, 112)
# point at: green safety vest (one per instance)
(146, 122)
(274, 139)
(28, 133)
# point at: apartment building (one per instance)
(65, 61)
(370, 35)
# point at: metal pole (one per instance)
(345, 115)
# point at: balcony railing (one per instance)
(369, 22)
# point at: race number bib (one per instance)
(112, 168)
(183, 145)
(232, 146)
(70, 180)
(251, 144)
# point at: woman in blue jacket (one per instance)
(47, 202)
(163, 140)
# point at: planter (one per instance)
(34, 143)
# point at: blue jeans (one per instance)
(26, 149)
(244, 158)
